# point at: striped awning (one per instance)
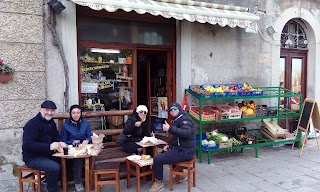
(202, 12)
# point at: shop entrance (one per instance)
(154, 84)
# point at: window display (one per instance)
(106, 78)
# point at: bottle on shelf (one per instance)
(100, 75)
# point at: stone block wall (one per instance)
(22, 46)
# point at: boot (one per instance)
(157, 186)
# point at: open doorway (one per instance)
(152, 85)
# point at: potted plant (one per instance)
(6, 72)
(128, 55)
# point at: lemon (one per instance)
(249, 111)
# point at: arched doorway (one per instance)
(293, 62)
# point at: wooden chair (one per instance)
(107, 174)
(133, 168)
(177, 169)
(33, 176)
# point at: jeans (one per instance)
(52, 168)
(77, 170)
(171, 156)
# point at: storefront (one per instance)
(131, 52)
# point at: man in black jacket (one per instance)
(182, 145)
(40, 141)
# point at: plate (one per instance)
(134, 157)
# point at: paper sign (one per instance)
(89, 87)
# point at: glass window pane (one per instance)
(103, 29)
(296, 82)
(282, 78)
(106, 78)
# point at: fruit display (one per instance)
(247, 107)
(225, 90)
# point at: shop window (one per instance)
(106, 78)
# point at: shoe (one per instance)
(44, 187)
(182, 178)
(79, 187)
(157, 186)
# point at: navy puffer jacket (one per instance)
(75, 131)
(183, 132)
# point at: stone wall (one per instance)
(227, 55)
(22, 46)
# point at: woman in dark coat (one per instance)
(134, 130)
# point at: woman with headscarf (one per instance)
(76, 128)
(134, 130)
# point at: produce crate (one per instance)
(220, 94)
(244, 93)
(202, 94)
(209, 117)
(204, 136)
(262, 110)
(225, 145)
(226, 114)
(208, 147)
(257, 92)
(244, 115)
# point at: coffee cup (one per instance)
(65, 150)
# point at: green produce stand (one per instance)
(268, 93)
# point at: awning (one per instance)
(192, 11)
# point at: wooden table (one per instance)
(88, 164)
(153, 145)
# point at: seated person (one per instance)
(76, 128)
(135, 129)
(182, 145)
(40, 140)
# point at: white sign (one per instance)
(89, 87)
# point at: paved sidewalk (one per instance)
(276, 170)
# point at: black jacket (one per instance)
(183, 133)
(38, 134)
(131, 133)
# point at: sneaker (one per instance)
(79, 187)
(157, 186)
(182, 178)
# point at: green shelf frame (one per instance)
(268, 92)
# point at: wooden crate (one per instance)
(210, 117)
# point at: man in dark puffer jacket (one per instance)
(182, 145)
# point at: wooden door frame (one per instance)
(288, 55)
(171, 74)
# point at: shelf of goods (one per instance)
(217, 116)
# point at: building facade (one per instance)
(47, 61)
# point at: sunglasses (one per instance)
(173, 108)
(143, 112)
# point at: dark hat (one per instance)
(48, 105)
(174, 104)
